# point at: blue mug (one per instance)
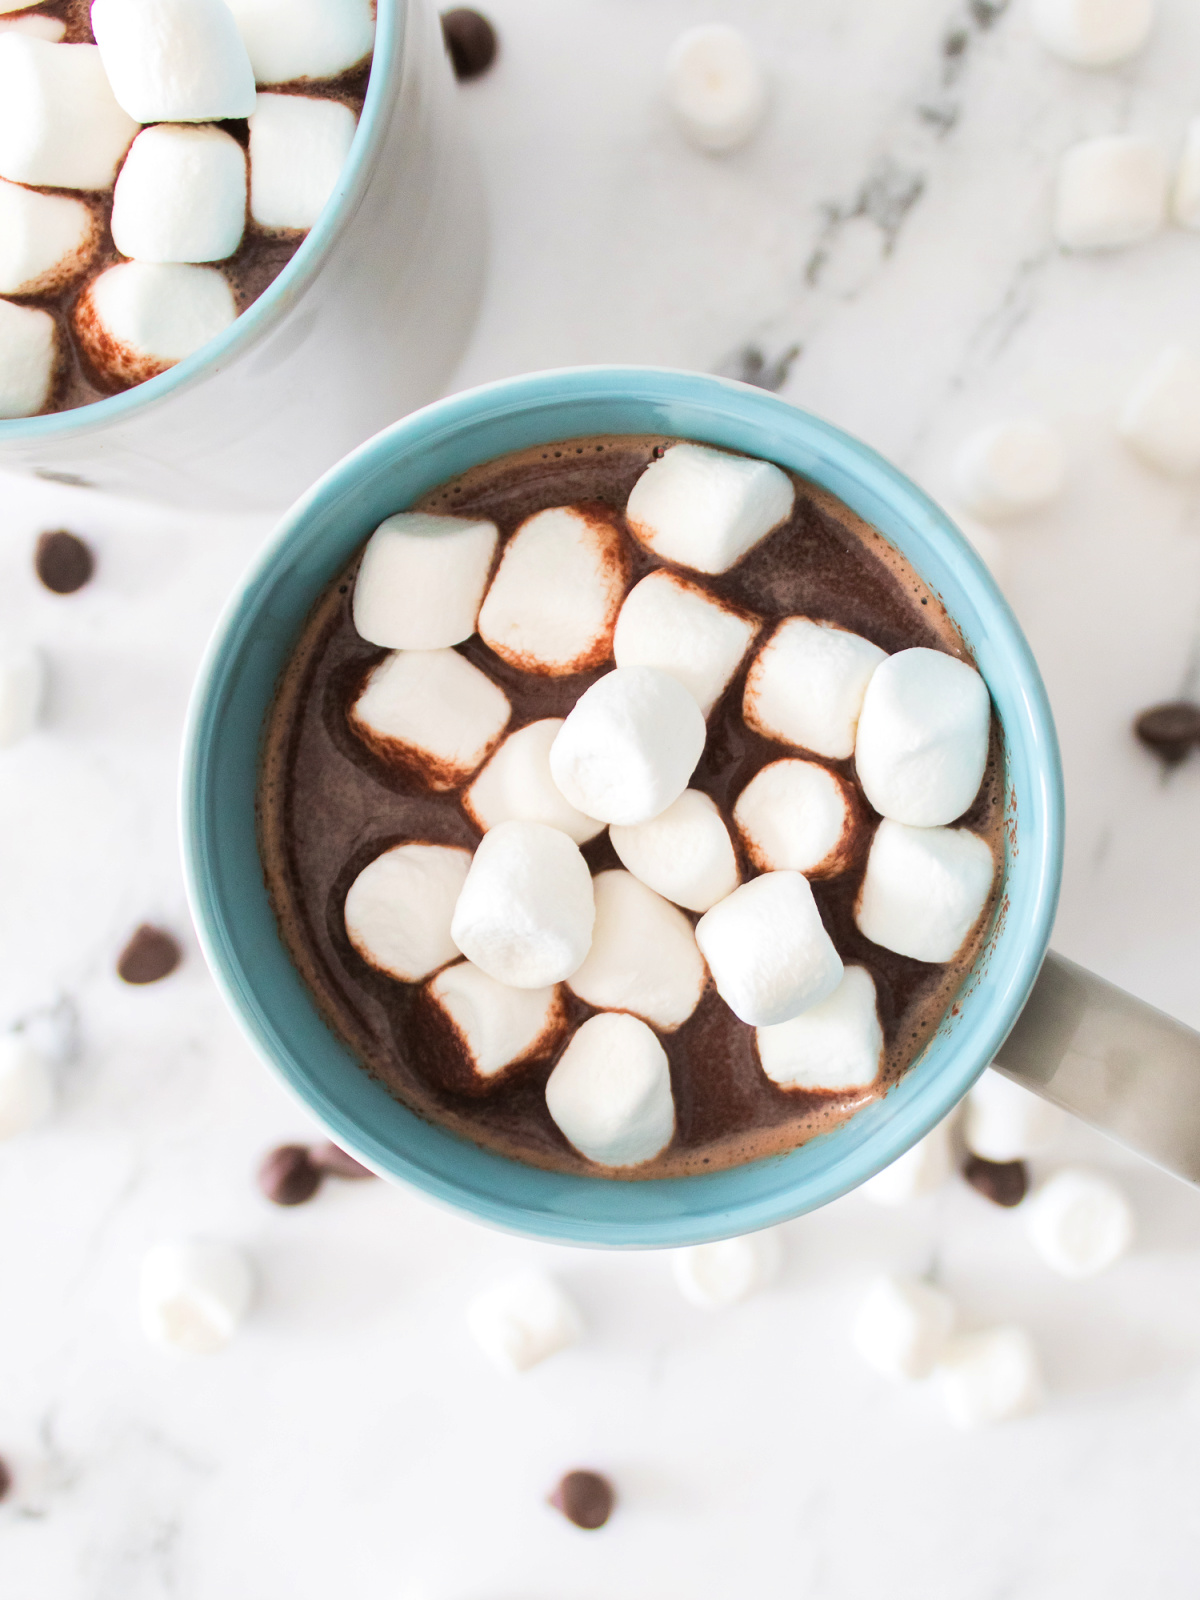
(237, 928)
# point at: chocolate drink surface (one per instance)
(329, 805)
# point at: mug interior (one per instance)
(225, 878)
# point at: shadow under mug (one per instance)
(225, 880)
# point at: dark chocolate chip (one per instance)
(1170, 730)
(584, 1498)
(339, 1163)
(150, 955)
(470, 40)
(6, 1479)
(1004, 1183)
(62, 561)
(289, 1176)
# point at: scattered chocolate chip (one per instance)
(584, 1498)
(150, 955)
(1170, 730)
(62, 561)
(1004, 1183)
(471, 41)
(331, 1158)
(6, 1478)
(289, 1176)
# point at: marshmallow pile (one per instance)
(127, 128)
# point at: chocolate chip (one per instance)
(289, 1176)
(584, 1498)
(1004, 1183)
(6, 1479)
(1170, 730)
(150, 955)
(62, 561)
(471, 41)
(331, 1158)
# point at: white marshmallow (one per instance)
(902, 1327)
(989, 1377)
(1007, 1123)
(399, 909)
(497, 1026)
(431, 708)
(421, 579)
(837, 1044)
(1009, 468)
(45, 239)
(174, 60)
(556, 593)
(181, 195)
(806, 686)
(924, 1167)
(705, 509)
(728, 1270)
(923, 736)
(1092, 33)
(1079, 1222)
(293, 39)
(715, 87)
(629, 746)
(526, 911)
(1111, 192)
(522, 1320)
(798, 815)
(194, 1294)
(924, 889)
(671, 624)
(22, 680)
(1160, 421)
(26, 1085)
(768, 951)
(141, 317)
(1185, 196)
(298, 147)
(517, 786)
(610, 1093)
(36, 26)
(685, 853)
(644, 956)
(59, 123)
(28, 359)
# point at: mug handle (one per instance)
(1127, 1069)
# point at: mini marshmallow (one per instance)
(989, 1377)
(298, 147)
(837, 1044)
(556, 593)
(715, 87)
(421, 580)
(644, 957)
(174, 60)
(26, 1085)
(720, 1274)
(629, 746)
(924, 1167)
(923, 737)
(1111, 192)
(28, 359)
(399, 909)
(1007, 1123)
(924, 889)
(1009, 468)
(37, 26)
(798, 815)
(141, 317)
(806, 686)
(517, 786)
(289, 40)
(610, 1094)
(45, 240)
(522, 1320)
(181, 196)
(194, 1294)
(902, 1327)
(1092, 33)
(685, 853)
(768, 951)
(1185, 196)
(705, 509)
(671, 624)
(59, 123)
(431, 709)
(1079, 1222)
(497, 1026)
(1160, 421)
(526, 911)
(22, 679)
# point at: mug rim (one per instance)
(993, 1007)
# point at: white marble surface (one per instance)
(893, 221)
